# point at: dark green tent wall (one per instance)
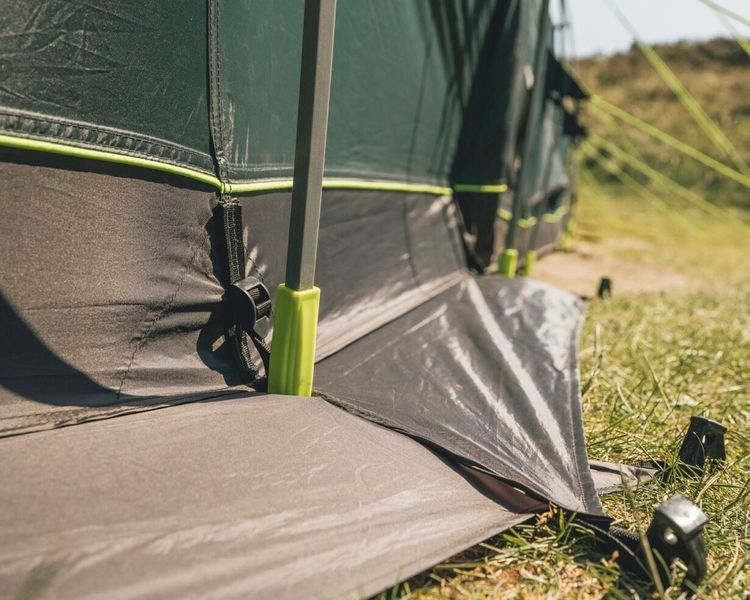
(422, 92)
(120, 127)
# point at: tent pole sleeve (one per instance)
(297, 300)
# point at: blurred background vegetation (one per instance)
(717, 75)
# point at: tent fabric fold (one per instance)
(487, 372)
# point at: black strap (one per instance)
(237, 333)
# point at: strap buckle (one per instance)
(251, 303)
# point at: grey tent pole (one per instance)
(508, 262)
(297, 300)
(312, 127)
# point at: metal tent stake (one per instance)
(297, 300)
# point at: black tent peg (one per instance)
(704, 442)
(605, 288)
(676, 531)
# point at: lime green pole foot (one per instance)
(529, 263)
(293, 346)
(508, 262)
(567, 237)
(571, 228)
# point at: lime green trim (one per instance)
(386, 186)
(508, 262)
(481, 189)
(506, 215)
(112, 157)
(258, 186)
(372, 185)
(556, 216)
(524, 223)
(529, 262)
(293, 347)
(344, 184)
(240, 188)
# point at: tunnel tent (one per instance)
(129, 131)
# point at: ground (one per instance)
(587, 261)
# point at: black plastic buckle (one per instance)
(251, 303)
(676, 531)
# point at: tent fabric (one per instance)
(264, 496)
(112, 299)
(422, 93)
(109, 291)
(487, 372)
(250, 496)
(419, 91)
(538, 177)
(136, 314)
(129, 77)
(137, 319)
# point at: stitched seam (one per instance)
(223, 174)
(200, 157)
(216, 128)
(154, 318)
(115, 150)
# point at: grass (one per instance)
(648, 362)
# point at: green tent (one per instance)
(148, 152)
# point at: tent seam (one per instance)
(128, 136)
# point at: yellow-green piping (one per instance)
(102, 155)
(523, 223)
(385, 186)
(258, 186)
(481, 189)
(240, 188)
(557, 215)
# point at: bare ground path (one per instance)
(580, 269)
